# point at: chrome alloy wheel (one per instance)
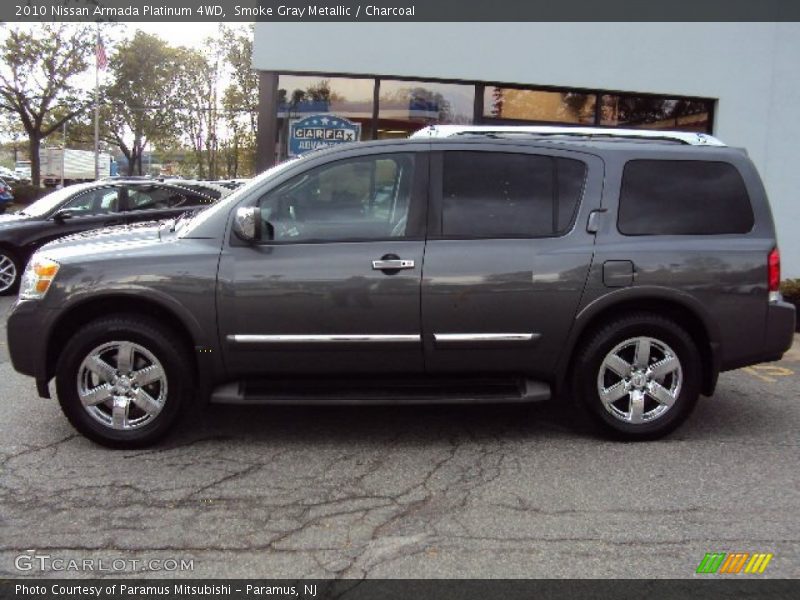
(639, 380)
(122, 385)
(8, 273)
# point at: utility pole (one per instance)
(64, 155)
(97, 105)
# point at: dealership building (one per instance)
(737, 81)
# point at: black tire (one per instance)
(5, 289)
(146, 333)
(586, 373)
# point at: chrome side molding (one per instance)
(320, 339)
(445, 338)
(456, 338)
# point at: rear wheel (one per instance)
(639, 376)
(9, 272)
(122, 381)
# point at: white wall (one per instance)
(750, 67)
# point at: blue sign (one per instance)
(321, 131)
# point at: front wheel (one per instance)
(121, 381)
(638, 376)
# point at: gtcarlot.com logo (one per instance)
(46, 562)
(734, 563)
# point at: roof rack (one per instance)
(682, 137)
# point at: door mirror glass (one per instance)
(247, 223)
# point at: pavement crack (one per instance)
(34, 449)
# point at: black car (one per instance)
(88, 206)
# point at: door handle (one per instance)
(393, 264)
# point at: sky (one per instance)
(191, 34)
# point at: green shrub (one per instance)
(790, 289)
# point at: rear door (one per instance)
(507, 255)
(92, 209)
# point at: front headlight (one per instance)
(38, 276)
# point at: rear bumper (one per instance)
(778, 337)
(780, 330)
(27, 331)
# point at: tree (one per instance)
(239, 102)
(39, 69)
(198, 114)
(238, 148)
(238, 50)
(11, 129)
(140, 105)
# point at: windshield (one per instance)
(47, 203)
(224, 204)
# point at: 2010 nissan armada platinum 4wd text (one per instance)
(622, 269)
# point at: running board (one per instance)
(381, 392)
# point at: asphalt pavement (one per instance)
(447, 491)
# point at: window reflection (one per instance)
(536, 105)
(300, 96)
(406, 106)
(652, 112)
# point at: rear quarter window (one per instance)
(682, 197)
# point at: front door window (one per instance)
(366, 198)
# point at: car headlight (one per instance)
(38, 276)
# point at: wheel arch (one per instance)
(21, 257)
(89, 309)
(18, 258)
(680, 307)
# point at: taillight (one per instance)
(774, 271)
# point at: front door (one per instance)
(93, 209)
(334, 285)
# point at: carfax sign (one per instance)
(321, 131)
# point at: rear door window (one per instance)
(502, 194)
(157, 197)
(682, 197)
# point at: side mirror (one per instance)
(63, 215)
(247, 223)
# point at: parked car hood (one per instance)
(116, 239)
(12, 218)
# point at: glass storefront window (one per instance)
(406, 106)
(535, 105)
(347, 97)
(300, 96)
(652, 112)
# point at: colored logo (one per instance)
(735, 562)
(321, 131)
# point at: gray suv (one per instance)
(622, 269)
